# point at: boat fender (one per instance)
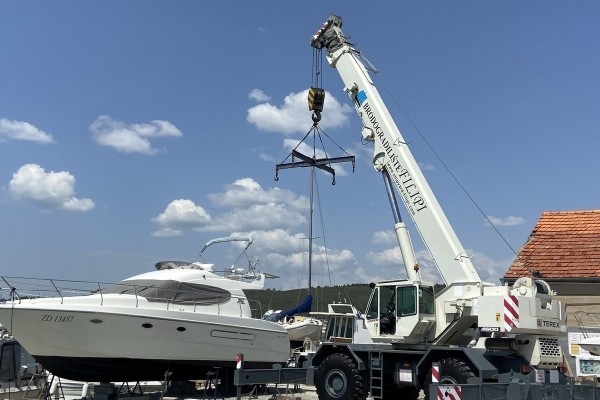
(54, 386)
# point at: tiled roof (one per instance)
(563, 244)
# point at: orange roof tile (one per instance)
(563, 244)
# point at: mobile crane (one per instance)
(471, 330)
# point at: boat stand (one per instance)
(132, 390)
(211, 383)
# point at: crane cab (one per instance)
(400, 311)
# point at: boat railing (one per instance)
(256, 308)
(588, 322)
(17, 289)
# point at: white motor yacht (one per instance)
(176, 322)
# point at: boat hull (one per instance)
(309, 328)
(591, 344)
(89, 369)
(107, 344)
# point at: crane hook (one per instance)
(316, 117)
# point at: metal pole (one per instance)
(239, 364)
(310, 228)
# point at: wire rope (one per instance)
(439, 158)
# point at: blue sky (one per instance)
(134, 132)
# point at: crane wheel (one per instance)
(338, 378)
(452, 371)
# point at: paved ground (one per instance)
(271, 392)
(282, 393)
(305, 393)
(268, 392)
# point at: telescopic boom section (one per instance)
(392, 154)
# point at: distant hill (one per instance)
(357, 294)
(271, 299)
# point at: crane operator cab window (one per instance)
(387, 310)
(373, 310)
(390, 303)
(426, 300)
(406, 303)
(382, 309)
(407, 300)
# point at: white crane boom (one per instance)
(525, 317)
(391, 152)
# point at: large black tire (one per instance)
(452, 371)
(338, 378)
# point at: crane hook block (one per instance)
(316, 99)
(316, 117)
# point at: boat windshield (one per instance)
(171, 291)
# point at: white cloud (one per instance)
(267, 157)
(257, 216)
(286, 255)
(389, 264)
(248, 184)
(489, 270)
(246, 192)
(258, 95)
(386, 257)
(384, 265)
(254, 208)
(132, 138)
(250, 208)
(384, 237)
(178, 215)
(278, 240)
(20, 130)
(393, 266)
(276, 219)
(293, 115)
(167, 232)
(511, 220)
(49, 190)
(427, 267)
(426, 167)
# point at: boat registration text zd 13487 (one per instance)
(57, 318)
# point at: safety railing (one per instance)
(588, 322)
(17, 289)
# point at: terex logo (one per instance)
(547, 324)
